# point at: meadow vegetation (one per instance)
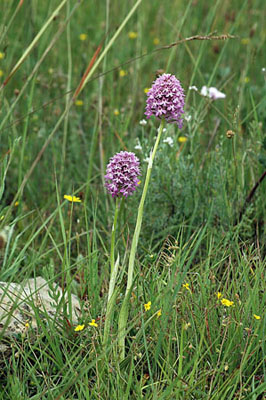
(74, 77)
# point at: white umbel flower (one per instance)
(212, 93)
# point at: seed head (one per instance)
(230, 134)
(166, 99)
(122, 174)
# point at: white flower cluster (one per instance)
(169, 141)
(143, 122)
(210, 92)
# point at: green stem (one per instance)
(123, 316)
(114, 269)
(234, 156)
(112, 295)
(140, 212)
(112, 258)
(25, 130)
(68, 96)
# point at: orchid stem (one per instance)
(112, 258)
(123, 316)
(113, 275)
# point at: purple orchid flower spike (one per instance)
(166, 100)
(122, 174)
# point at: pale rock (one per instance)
(22, 304)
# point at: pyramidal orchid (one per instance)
(165, 101)
(121, 180)
(122, 174)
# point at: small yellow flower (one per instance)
(147, 306)
(2, 55)
(227, 303)
(79, 328)
(256, 316)
(219, 295)
(139, 182)
(186, 286)
(79, 103)
(182, 139)
(246, 79)
(132, 35)
(187, 325)
(146, 90)
(93, 323)
(16, 203)
(156, 41)
(1, 73)
(83, 36)
(245, 41)
(27, 325)
(159, 313)
(122, 73)
(73, 199)
(116, 112)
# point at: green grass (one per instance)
(197, 226)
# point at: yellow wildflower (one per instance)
(182, 139)
(27, 325)
(218, 294)
(73, 199)
(2, 55)
(122, 73)
(83, 36)
(245, 41)
(159, 313)
(246, 79)
(16, 203)
(146, 90)
(116, 112)
(256, 316)
(227, 303)
(139, 182)
(1, 73)
(156, 41)
(187, 325)
(132, 35)
(93, 323)
(147, 306)
(186, 286)
(79, 103)
(79, 328)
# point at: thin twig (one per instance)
(249, 198)
(210, 36)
